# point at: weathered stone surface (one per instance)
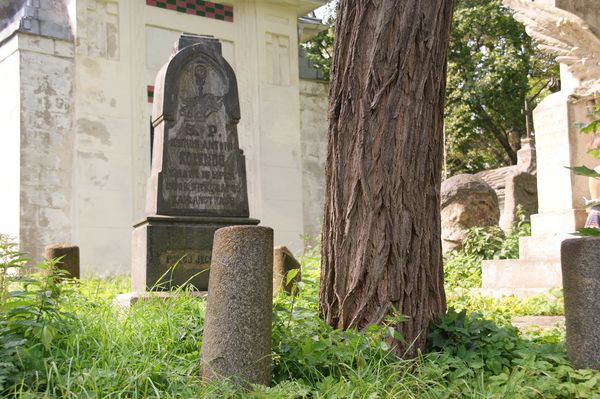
(198, 179)
(160, 242)
(466, 201)
(198, 168)
(580, 261)
(237, 326)
(69, 255)
(520, 190)
(283, 262)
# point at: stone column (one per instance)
(237, 326)
(580, 261)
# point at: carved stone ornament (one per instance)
(567, 36)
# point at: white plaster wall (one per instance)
(313, 135)
(46, 138)
(121, 45)
(279, 125)
(103, 180)
(9, 139)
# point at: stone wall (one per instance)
(9, 139)
(46, 138)
(313, 131)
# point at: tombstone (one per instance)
(198, 179)
(69, 258)
(520, 191)
(570, 30)
(466, 201)
(284, 262)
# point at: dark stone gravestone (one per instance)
(198, 179)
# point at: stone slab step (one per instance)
(557, 222)
(542, 247)
(522, 322)
(521, 278)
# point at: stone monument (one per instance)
(572, 32)
(465, 201)
(198, 179)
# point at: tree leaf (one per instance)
(583, 171)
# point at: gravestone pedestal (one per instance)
(561, 211)
(172, 251)
(198, 179)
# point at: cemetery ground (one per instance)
(69, 340)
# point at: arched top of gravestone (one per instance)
(200, 51)
(198, 168)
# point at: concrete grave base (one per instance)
(160, 242)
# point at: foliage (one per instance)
(319, 49)
(594, 125)
(152, 351)
(462, 268)
(508, 364)
(30, 319)
(591, 128)
(492, 68)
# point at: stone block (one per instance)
(580, 259)
(284, 262)
(519, 277)
(69, 258)
(566, 221)
(162, 242)
(541, 247)
(466, 201)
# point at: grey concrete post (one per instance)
(237, 325)
(580, 261)
(70, 257)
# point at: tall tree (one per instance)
(381, 246)
(493, 67)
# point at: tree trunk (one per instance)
(381, 246)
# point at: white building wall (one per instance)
(82, 143)
(10, 139)
(103, 163)
(313, 135)
(46, 70)
(279, 147)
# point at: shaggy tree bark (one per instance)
(381, 245)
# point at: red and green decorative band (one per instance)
(202, 8)
(150, 93)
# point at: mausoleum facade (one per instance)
(77, 78)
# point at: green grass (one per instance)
(97, 350)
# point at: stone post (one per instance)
(283, 263)
(237, 327)
(70, 257)
(580, 261)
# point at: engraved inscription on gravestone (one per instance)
(202, 170)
